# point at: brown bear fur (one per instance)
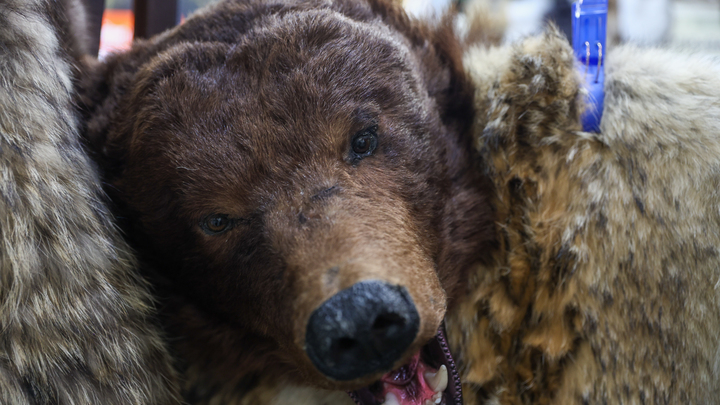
(248, 109)
(606, 285)
(75, 318)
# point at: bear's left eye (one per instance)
(216, 223)
(365, 142)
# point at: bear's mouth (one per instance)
(430, 378)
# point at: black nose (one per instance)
(361, 330)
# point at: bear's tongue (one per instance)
(429, 378)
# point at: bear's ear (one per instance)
(440, 52)
(114, 95)
(101, 87)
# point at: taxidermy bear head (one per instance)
(296, 177)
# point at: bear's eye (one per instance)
(365, 142)
(216, 223)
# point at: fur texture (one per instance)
(74, 316)
(604, 282)
(482, 24)
(606, 286)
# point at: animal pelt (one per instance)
(606, 285)
(74, 315)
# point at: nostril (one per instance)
(343, 350)
(384, 323)
(344, 344)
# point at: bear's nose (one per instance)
(361, 330)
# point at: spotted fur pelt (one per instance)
(606, 285)
(74, 316)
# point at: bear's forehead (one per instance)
(290, 88)
(278, 101)
(314, 53)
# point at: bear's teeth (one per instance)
(391, 399)
(437, 381)
(435, 400)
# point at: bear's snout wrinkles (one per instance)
(361, 330)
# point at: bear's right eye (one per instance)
(365, 142)
(216, 223)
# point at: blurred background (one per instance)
(677, 23)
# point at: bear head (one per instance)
(297, 178)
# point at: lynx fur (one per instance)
(606, 284)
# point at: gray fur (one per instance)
(74, 316)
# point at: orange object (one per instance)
(116, 33)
